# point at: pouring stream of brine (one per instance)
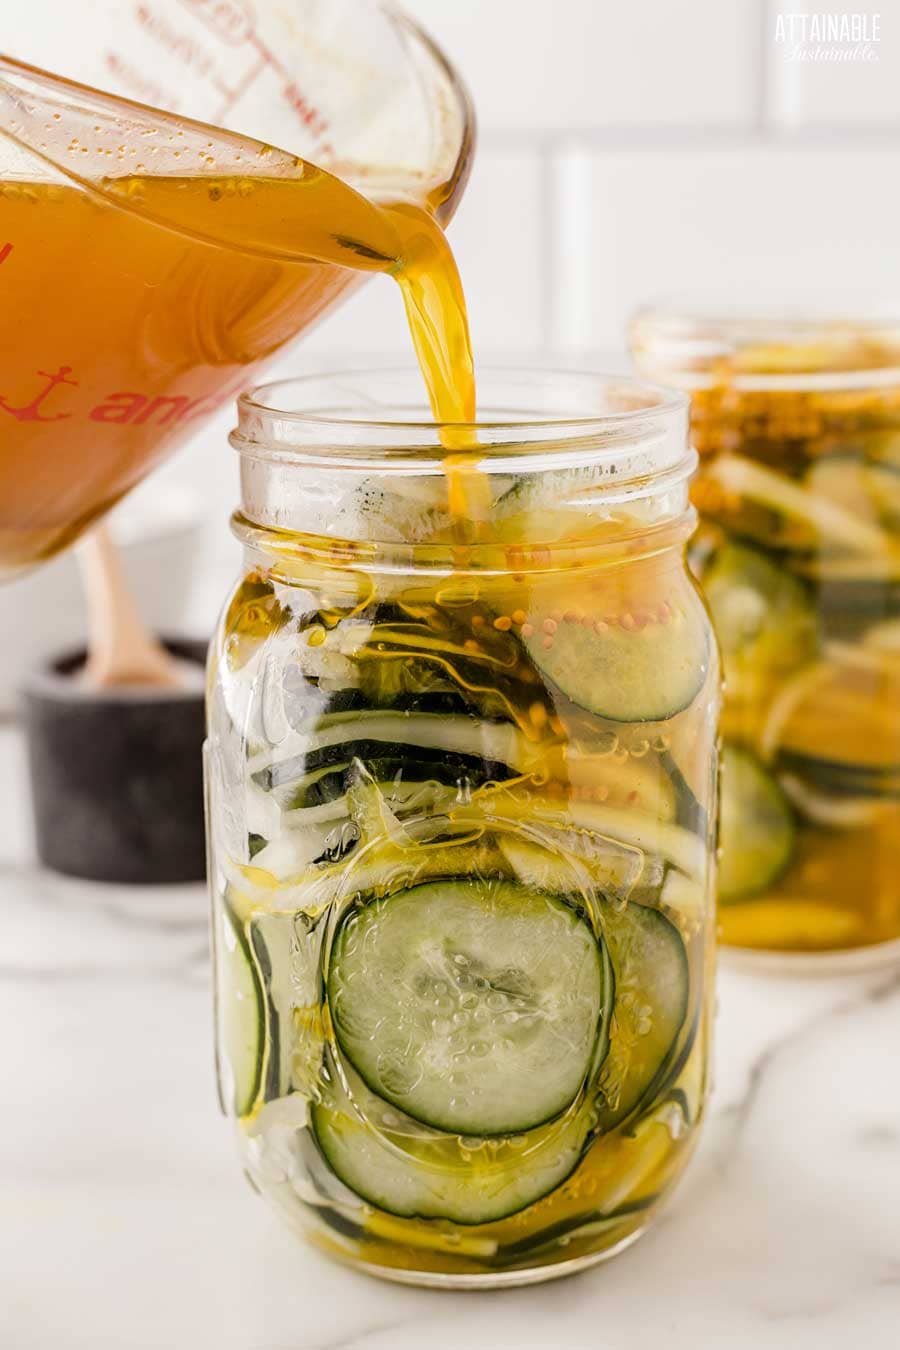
(133, 306)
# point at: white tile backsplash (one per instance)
(760, 223)
(535, 66)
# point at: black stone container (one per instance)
(117, 775)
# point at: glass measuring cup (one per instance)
(148, 259)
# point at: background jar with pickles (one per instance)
(798, 427)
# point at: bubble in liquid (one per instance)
(605, 743)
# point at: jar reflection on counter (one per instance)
(797, 423)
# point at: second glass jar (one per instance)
(798, 427)
(461, 807)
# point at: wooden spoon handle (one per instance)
(120, 648)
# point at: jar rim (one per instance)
(558, 414)
(768, 346)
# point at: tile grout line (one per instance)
(569, 319)
(761, 60)
(548, 228)
(873, 135)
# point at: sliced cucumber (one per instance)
(594, 826)
(240, 1016)
(393, 516)
(550, 504)
(763, 616)
(841, 712)
(652, 977)
(405, 1168)
(689, 812)
(645, 784)
(870, 491)
(810, 520)
(756, 828)
(267, 938)
(613, 871)
(473, 1005)
(684, 898)
(545, 489)
(626, 663)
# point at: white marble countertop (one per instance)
(125, 1221)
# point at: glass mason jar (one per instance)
(461, 769)
(798, 428)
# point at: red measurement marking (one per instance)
(232, 95)
(309, 113)
(230, 20)
(234, 23)
(5, 251)
(31, 411)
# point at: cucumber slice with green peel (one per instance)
(652, 975)
(405, 1168)
(241, 1016)
(870, 491)
(613, 872)
(683, 898)
(688, 811)
(473, 1005)
(643, 784)
(757, 831)
(391, 516)
(841, 712)
(764, 618)
(594, 826)
(550, 488)
(816, 521)
(622, 661)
